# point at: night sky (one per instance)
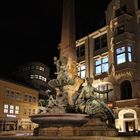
(31, 30)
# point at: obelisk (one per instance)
(67, 47)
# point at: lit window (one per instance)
(41, 68)
(120, 55)
(31, 76)
(101, 65)
(36, 76)
(102, 96)
(16, 109)
(11, 109)
(123, 54)
(129, 54)
(82, 71)
(6, 108)
(45, 79)
(105, 64)
(40, 77)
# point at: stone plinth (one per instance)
(95, 127)
(70, 125)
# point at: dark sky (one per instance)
(31, 30)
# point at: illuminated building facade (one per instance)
(17, 103)
(111, 56)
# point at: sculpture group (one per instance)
(84, 100)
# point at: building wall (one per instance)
(25, 103)
(122, 71)
(35, 74)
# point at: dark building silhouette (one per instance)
(36, 75)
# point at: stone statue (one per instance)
(57, 104)
(63, 76)
(86, 93)
(89, 104)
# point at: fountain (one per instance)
(72, 111)
(82, 114)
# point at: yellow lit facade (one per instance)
(17, 103)
(111, 55)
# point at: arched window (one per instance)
(126, 90)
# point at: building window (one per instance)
(16, 109)
(30, 98)
(120, 29)
(17, 96)
(7, 93)
(121, 11)
(32, 67)
(11, 109)
(80, 50)
(31, 76)
(100, 42)
(138, 4)
(34, 99)
(102, 96)
(97, 43)
(120, 52)
(37, 67)
(25, 97)
(12, 94)
(6, 108)
(44, 79)
(38, 77)
(41, 68)
(129, 54)
(101, 65)
(123, 54)
(126, 90)
(82, 71)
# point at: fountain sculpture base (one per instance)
(70, 125)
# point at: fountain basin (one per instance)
(57, 119)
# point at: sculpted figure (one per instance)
(63, 76)
(89, 104)
(57, 104)
(86, 94)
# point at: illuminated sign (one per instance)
(12, 116)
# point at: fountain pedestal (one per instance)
(70, 124)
